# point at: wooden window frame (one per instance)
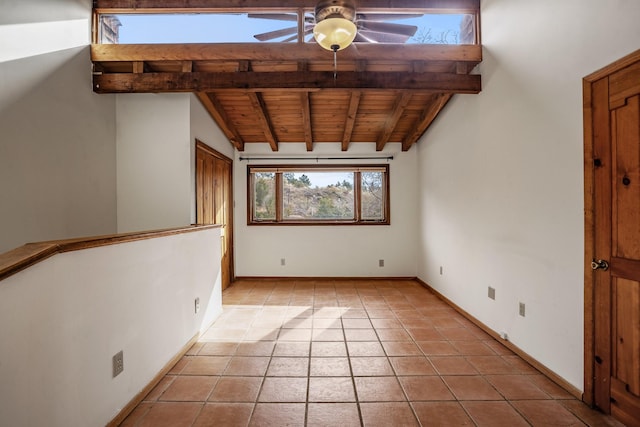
(357, 191)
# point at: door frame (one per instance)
(590, 134)
(230, 225)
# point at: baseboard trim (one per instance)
(137, 399)
(517, 350)
(301, 278)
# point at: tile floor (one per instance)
(352, 353)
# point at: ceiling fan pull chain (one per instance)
(335, 62)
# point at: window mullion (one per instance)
(357, 196)
(279, 198)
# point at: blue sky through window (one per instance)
(239, 28)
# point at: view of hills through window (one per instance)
(326, 195)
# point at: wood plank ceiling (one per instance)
(280, 93)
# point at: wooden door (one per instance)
(612, 250)
(214, 201)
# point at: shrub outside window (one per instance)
(318, 194)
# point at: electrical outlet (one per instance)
(441, 270)
(118, 363)
(521, 309)
(282, 261)
(197, 305)
(491, 293)
(380, 263)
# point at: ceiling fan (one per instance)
(335, 24)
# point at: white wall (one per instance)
(57, 144)
(153, 161)
(330, 251)
(500, 174)
(62, 320)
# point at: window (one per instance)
(276, 27)
(318, 194)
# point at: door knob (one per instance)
(599, 264)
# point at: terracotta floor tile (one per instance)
(247, 366)
(329, 367)
(471, 388)
(452, 365)
(327, 335)
(360, 334)
(195, 348)
(298, 323)
(386, 323)
(298, 334)
(159, 388)
(224, 415)
(292, 349)
(472, 348)
(408, 314)
(437, 348)
(136, 415)
(218, 349)
(223, 334)
(457, 334)
(278, 415)
(516, 387)
(494, 414)
(258, 348)
(393, 335)
(521, 366)
(386, 414)
(380, 313)
(416, 323)
(498, 347)
(355, 313)
(546, 412)
(356, 324)
(189, 389)
(170, 414)
(491, 365)
(425, 334)
(279, 389)
(261, 334)
(412, 365)
(206, 365)
(365, 348)
(328, 349)
(326, 414)
(288, 367)
(236, 389)
(401, 348)
(322, 323)
(421, 388)
(331, 389)
(379, 389)
(179, 366)
(370, 366)
(549, 387)
(588, 415)
(441, 414)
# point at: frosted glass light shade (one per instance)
(331, 32)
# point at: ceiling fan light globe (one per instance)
(331, 32)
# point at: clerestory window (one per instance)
(318, 195)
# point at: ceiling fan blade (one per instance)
(375, 37)
(263, 37)
(308, 30)
(274, 16)
(386, 16)
(387, 28)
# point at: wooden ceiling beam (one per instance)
(142, 6)
(281, 52)
(216, 111)
(306, 120)
(354, 103)
(392, 120)
(260, 109)
(427, 117)
(289, 80)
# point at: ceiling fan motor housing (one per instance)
(335, 9)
